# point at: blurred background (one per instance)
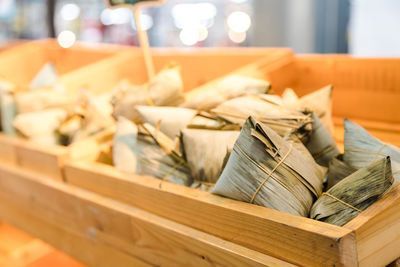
(358, 27)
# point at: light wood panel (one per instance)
(268, 231)
(64, 215)
(13, 61)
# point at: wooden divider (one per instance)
(14, 67)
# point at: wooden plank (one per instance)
(378, 231)
(371, 83)
(8, 153)
(79, 247)
(46, 160)
(105, 222)
(268, 231)
(376, 106)
(13, 65)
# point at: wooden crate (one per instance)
(371, 239)
(103, 76)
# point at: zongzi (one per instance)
(321, 144)
(40, 99)
(282, 120)
(172, 120)
(124, 148)
(205, 151)
(41, 126)
(338, 170)
(355, 193)
(229, 87)
(266, 170)
(319, 102)
(8, 109)
(361, 148)
(165, 89)
(151, 154)
(46, 77)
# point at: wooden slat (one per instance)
(378, 231)
(73, 214)
(13, 65)
(8, 152)
(366, 89)
(46, 160)
(77, 246)
(271, 232)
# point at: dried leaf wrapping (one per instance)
(124, 148)
(165, 89)
(8, 108)
(145, 156)
(321, 144)
(361, 148)
(319, 102)
(268, 171)
(172, 119)
(355, 193)
(41, 126)
(229, 87)
(205, 151)
(338, 170)
(282, 120)
(47, 76)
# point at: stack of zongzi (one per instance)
(250, 146)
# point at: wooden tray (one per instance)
(371, 239)
(103, 76)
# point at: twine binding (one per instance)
(270, 174)
(341, 201)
